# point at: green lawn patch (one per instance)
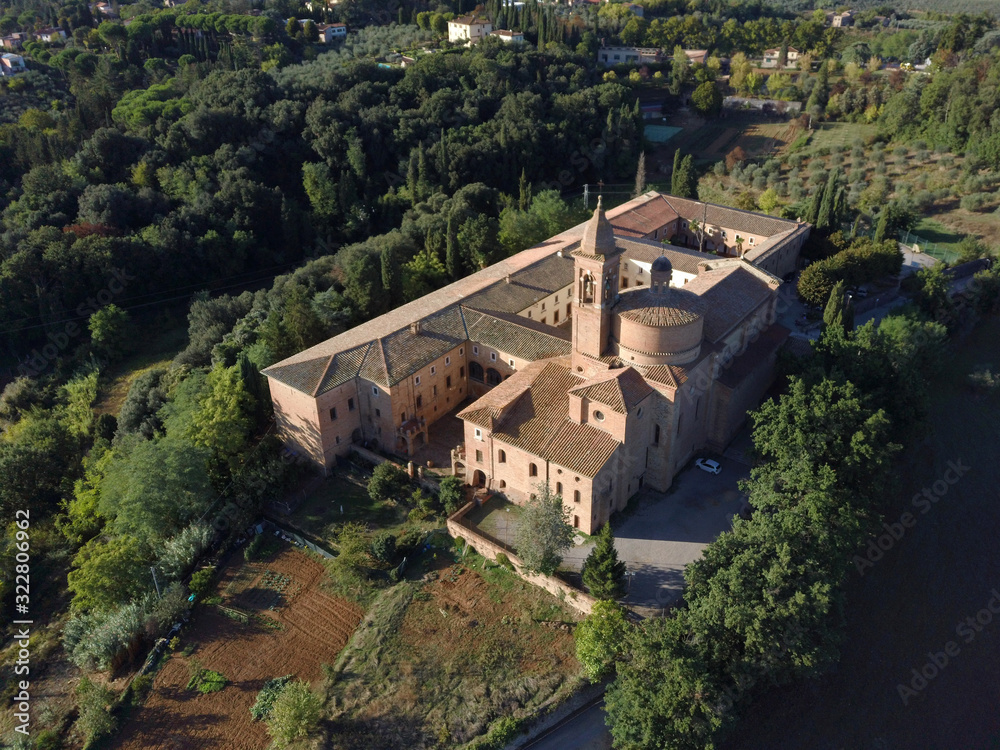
(206, 681)
(339, 500)
(838, 135)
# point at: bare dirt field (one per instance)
(434, 664)
(293, 628)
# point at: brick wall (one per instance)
(489, 548)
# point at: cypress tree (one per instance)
(882, 228)
(675, 173)
(392, 280)
(825, 215)
(603, 572)
(451, 260)
(423, 184)
(833, 314)
(813, 211)
(524, 192)
(640, 176)
(412, 178)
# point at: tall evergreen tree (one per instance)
(675, 173)
(451, 259)
(824, 217)
(813, 210)
(833, 315)
(524, 192)
(640, 176)
(392, 277)
(603, 572)
(882, 228)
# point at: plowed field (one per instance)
(293, 628)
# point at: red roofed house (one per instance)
(666, 350)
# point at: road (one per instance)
(584, 730)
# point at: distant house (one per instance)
(696, 56)
(469, 29)
(11, 64)
(331, 32)
(51, 35)
(844, 19)
(510, 37)
(767, 106)
(14, 41)
(610, 56)
(106, 10)
(771, 58)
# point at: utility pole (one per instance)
(152, 569)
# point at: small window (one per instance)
(555, 317)
(434, 390)
(576, 496)
(656, 435)
(501, 456)
(544, 321)
(374, 391)
(447, 382)
(543, 307)
(338, 439)
(598, 415)
(475, 350)
(447, 361)
(532, 470)
(333, 413)
(461, 371)
(558, 488)
(639, 412)
(529, 313)
(479, 434)
(416, 380)
(350, 404)
(378, 412)
(569, 309)
(493, 356)
(479, 456)
(510, 362)
(461, 351)
(433, 370)
(420, 401)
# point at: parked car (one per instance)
(707, 464)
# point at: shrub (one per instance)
(261, 709)
(387, 482)
(452, 494)
(863, 262)
(294, 713)
(180, 552)
(504, 561)
(94, 701)
(201, 581)
(502, 732)
(383, 547)
(976, 201)
(206, 680)
(97, 640)
(252, 549)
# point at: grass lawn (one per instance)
(155, 348)
(435, 662)
(321, 511)
(838, 135)
(940, 571)
(938, 233)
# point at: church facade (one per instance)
(598, 362)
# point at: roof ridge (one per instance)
(326, 372)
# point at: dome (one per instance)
(658, 326)
(662, 264)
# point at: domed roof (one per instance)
(662, 264)
(598, 236)
(669, 308)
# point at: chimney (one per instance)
(415, 328)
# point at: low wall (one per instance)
(374, 458)
(490, 548)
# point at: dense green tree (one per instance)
(109, 331)
(295, 714)
(707, 99)
(640, 176)
(601, 638)
(108, 572)
(603, 572)
(388, 482)
(833, 315)
(543, 531)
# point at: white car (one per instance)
(705, 464)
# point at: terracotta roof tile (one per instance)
(620, 391)
(730, 218)
(518, 337)
(644, 218)
(726, 295)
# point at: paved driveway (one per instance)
(668, 530)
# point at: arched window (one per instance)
(576, 496)
(476, 371)
(559, 488)
(532, 470)
(493, 377)
(501, 457)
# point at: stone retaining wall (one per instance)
(490, 548)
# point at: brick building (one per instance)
(599, 361)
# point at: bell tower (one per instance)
(595, 289)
